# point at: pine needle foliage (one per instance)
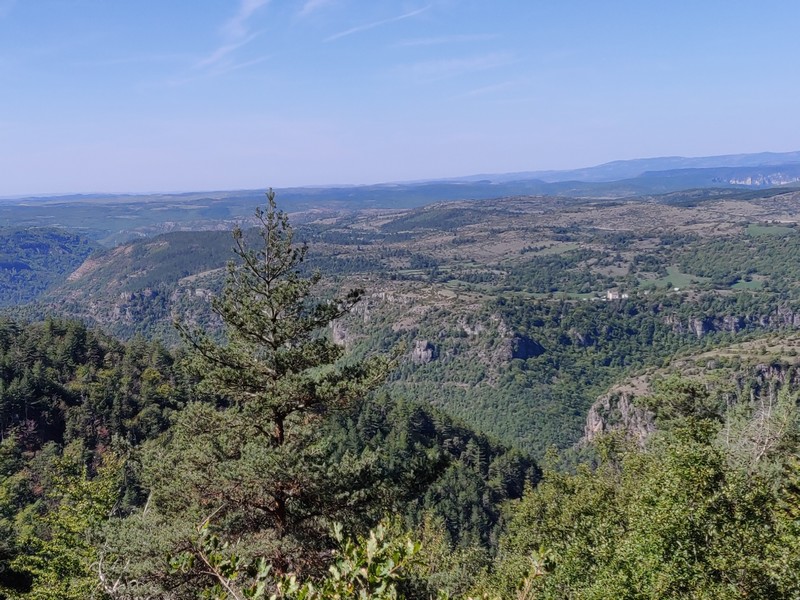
(256, 464)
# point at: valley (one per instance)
(512, 314)
(510, 354)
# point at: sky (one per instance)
(179, 95)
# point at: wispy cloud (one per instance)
(236, 26)
(242, 65)
(236, 32)
(311, 6)
(452, 67)
(448, 39)
(223, 51)
(136, 59)
(375, 24)
(217, 70)
(490, 89)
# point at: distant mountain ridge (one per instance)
(111, 219)
(629, 169)
(610, 172)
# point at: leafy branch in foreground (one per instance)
(369, 568)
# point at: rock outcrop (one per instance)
(616, 411)
(423, 352)
(339, 334)
(782, 317)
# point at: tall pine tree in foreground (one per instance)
(251, 462)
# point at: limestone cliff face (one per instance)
(769, 379)
(423, 352)
(339, 334)
(524, 347)
(514, 345)
(616, 411)
(783, 317)
(765, 179)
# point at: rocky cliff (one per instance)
(618, 410)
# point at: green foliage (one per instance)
(435, 217)
(56, 549)
(427, 466)
(685, 405)
(60, 381)
(758, 230)
(63, 386)
(553, 253)
(35, 259)
(530, 374)
(278, 438)
(369, 569)
(573, 272)
(678, 518)
(136, 288)
(275, 370)
(730, 260)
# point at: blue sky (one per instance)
(172, 95)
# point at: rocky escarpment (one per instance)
(767, 380)
(519, 346)
(781, 317)
(765, 180)
(616, 411)
(423, 352)
(512, 344)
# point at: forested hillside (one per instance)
(370, 413)
(113, 452)
(82, 415)
(35, 259)
(515, 314)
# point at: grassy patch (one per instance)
(755, 230)
(674, 278)
(754, 284)
(557, 249)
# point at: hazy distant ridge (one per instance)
(628, 169)
(111, 219)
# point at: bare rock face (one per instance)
(423, 352)
(783, 317)
(616, 412)
(471, 329)
(675, 323)
(580, 338)
(732, 323)
(700, 327)
(766, 380)
(339, 334)
(517, 346)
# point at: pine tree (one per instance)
(255, 464)
(273, 326)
